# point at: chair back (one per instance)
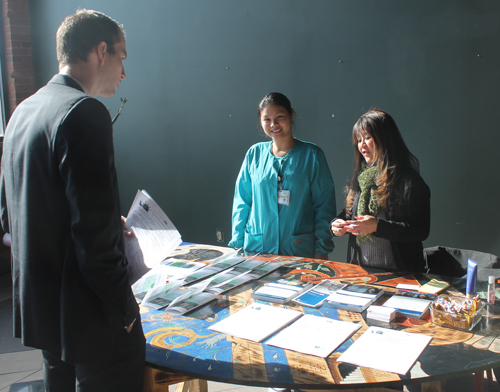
(446, 261)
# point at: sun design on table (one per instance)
(171, 337)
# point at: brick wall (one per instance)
(18, 56)
(18, 69)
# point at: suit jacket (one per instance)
(60, 202)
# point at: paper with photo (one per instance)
(155, 236)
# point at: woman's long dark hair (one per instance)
(391, 156)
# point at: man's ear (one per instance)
(101, 49)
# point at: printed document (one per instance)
(155, 236)
(386, 349)
(256, 322)
(314, 335)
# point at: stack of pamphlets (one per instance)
(314, 335)
(410, 303)
(256, 322)
(354, 298)
(282, 290)
(315, 296)
(242, 273)
(381, 313)
(386, 349)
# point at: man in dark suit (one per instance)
(60, 203)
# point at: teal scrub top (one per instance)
(301, 228)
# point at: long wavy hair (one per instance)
(393, 159)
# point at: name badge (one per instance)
(284, 197)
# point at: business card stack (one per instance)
(381, 313)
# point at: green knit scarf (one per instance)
(367, 204)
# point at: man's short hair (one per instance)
(81, 32)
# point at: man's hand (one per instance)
(129, 328)
(126, 233)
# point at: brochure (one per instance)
(233, 272)
(354, 298)
(315, 296)
(282, 290)
(190, 302)
(238, 276)
(176, 299)
(314, 335)
(155, 236)
(177, 269)
(168, 270)
(410, 303)
(384, 349)
(256, 322)
(148, 281)
(213, 268)
(162, 296)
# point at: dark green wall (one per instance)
(197, 69)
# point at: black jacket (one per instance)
(60, 202)
(406, 225)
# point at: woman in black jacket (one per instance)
(387, 213)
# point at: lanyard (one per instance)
(280, 175)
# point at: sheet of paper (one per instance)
(410, 303)
(404, 286)
(386, 349)
(314, 335)
(256, 322)
(155, 236)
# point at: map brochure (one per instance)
(155, 236)
(168, 270)
(256, 322)
(231, 273)
(385, 349)
(176, 299)
(315, 296)
(213, 268)
(410, 303)
(355, 298)
(314, 335)
(150, 280)
(162, 296)
(240, 275)
(187, 303)
(177, 269)
(282, 290)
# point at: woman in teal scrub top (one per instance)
(284, 196)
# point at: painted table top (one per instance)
(185, 345)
